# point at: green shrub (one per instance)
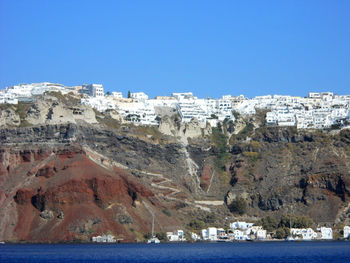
(238, 206)
(220, 141)
(167, 212)
(210, 219)
(196, 224)
(282, 232)
(268, 223)
(161, 236)
(148, 235)
(296, 221)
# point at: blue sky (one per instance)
(209, 47)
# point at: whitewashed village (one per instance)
(242, 231)
(319, 110)
(316, 111)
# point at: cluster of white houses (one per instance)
(104, 239)
(242, 231)
(248, 231)
(237, 231)
(317, 110)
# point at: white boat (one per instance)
(290, 238)
(153, 240)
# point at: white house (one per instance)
(258, 232)
(209, 234)
(326, 233)
(212, 233)
(177, 235)
(239, 235)
(303, 233)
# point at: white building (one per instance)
(183, 95)
(26, 92)
(210, 234)
(140, 96)
(140, 113)
(8, 98)
(326, 233)
(93, 90)
(104, 239)
(190, 109)
(117, 95)
(241, 225)
(195, 237)
(303, 233)
(258, 232)
(239, 235)
(177, 235)
(99, 103)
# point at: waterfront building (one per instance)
(210, 234)
(239, 235)
(257, 232)
(177, 235)
(195, 237)
(325, 233)
(303, 233)
(104, 239)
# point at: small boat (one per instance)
(2, 242)
(153, 240)
(290, 238)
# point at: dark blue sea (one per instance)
(199, 252)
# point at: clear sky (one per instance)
(209, 47)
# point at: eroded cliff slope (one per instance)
(70, 178)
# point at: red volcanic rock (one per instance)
(60, 194)
(26, 156)
(23, 196)
(47, 171)
(80, 196)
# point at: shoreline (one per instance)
(169, 242)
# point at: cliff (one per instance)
(85, 173)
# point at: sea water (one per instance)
(186, 252)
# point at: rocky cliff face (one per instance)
(60, 193)
(71, 180)
(307, 173)
(52, 108)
